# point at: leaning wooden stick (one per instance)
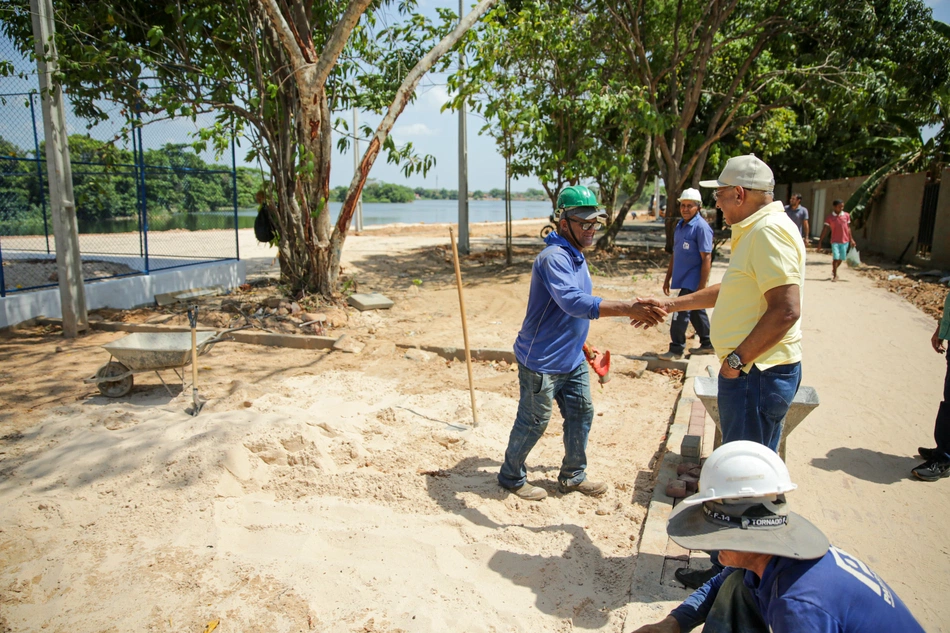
(468, 353)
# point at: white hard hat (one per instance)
(741, 507)
(691, 195)
(741, 470)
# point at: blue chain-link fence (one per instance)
(145, 200)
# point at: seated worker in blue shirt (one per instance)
(781, 575)
(689, 271)
(549, 348)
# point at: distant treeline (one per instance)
(376, 191)
(176, 180)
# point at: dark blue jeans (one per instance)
(538, 393)
(753, 406)
(942, 425)
(680, 322)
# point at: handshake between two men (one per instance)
(641, 312)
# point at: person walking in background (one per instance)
(937, 460)
(689, 271)
(756, 327)
(549, 348)
(782, 575)
(839, 225)
(798, 214)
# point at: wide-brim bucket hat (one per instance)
(760, 526)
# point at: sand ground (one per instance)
(338, 492)
(326, 491)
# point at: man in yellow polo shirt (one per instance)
(756, 327)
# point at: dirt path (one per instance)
(336, 492)
(868, 353)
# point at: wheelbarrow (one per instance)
(148, 351)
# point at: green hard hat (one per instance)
(576, 196)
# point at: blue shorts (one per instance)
(839, 251)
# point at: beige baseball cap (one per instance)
(743, 171)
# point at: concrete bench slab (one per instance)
(364, 301)
(169, 298)
(805, 401)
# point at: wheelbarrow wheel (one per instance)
(114, 388)
(546, 230)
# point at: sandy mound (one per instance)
(333, 502)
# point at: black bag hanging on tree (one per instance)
(263, 229)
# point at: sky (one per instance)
(421, 123)
(436, 133)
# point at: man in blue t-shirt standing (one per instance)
(689, 271)
(798, 214)
(781, 575)
(549, 348)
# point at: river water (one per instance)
(374, 213)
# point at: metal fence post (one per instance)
(234, 195)
(3, 282)
(144, 204)
(39, 170)
(138, 189)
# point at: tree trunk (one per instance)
(310, 246)
(609, 237)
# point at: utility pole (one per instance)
(72, 293)
(463, 244)
(358, 216)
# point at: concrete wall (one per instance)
(940, 254)
(895, 217)
(817, 197)
(123, 293)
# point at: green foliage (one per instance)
(378, 192)
(436, 194)
(275, 74)
(550, 99)
(894, 86)
(105, 188)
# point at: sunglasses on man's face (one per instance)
(721, 189)
(586, 225)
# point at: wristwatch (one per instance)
(734, 361)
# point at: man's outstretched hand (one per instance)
(647, 312)
(937, 342)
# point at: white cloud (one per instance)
(413, 130)
(435, 96)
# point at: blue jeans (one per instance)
(942, 425)
(538, 393)
(680, 322)
(753, 406)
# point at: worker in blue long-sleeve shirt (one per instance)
(549, 348)
(781, 574)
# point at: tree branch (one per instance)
(402, 97)
(338, 39)
(286, 35)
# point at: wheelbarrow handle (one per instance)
(217, 338)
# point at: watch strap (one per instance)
(733, 355)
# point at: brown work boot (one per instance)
(587, 487)
(529, 492)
